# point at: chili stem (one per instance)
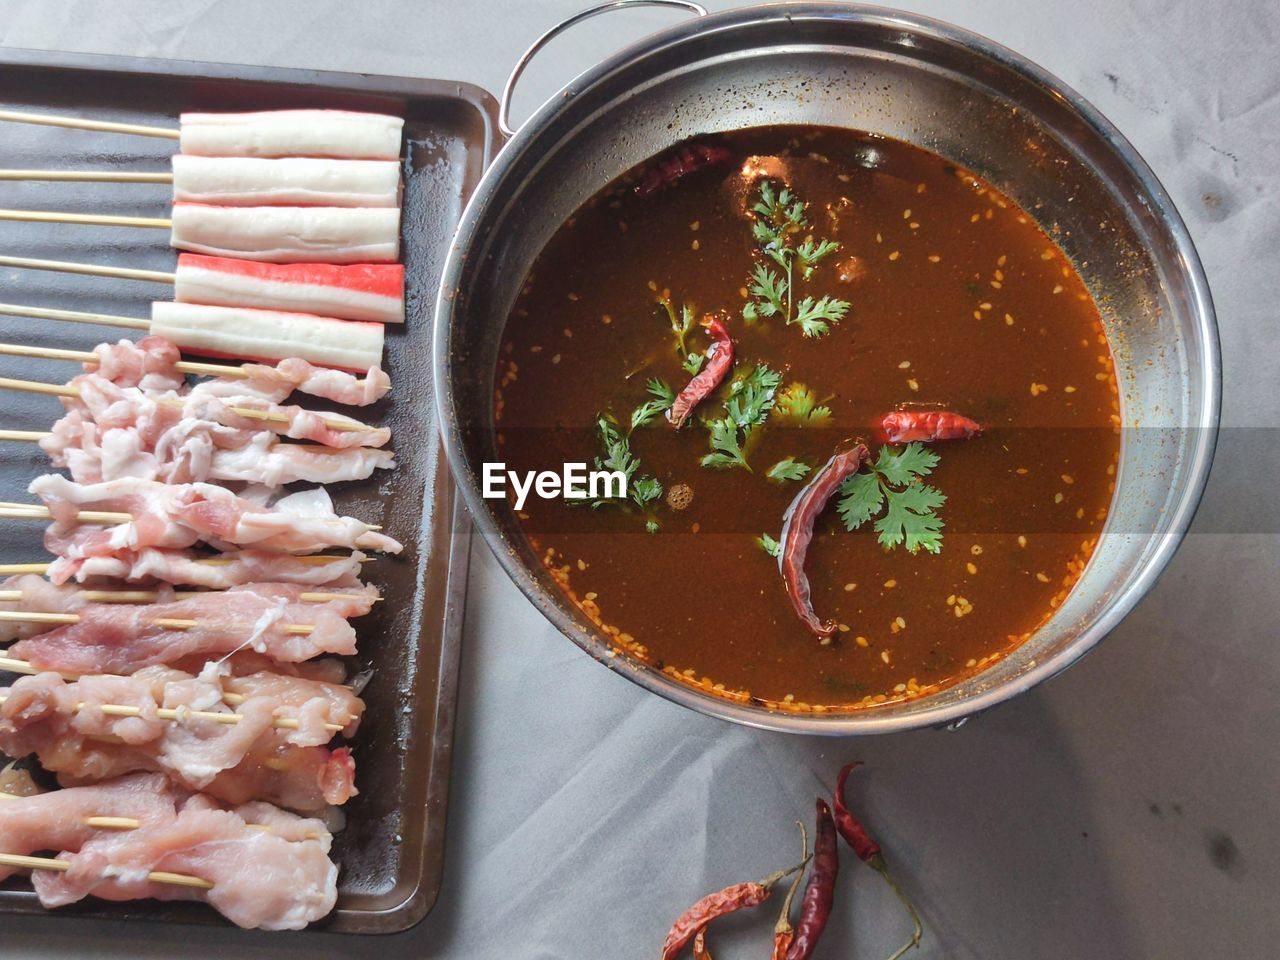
(877, 863)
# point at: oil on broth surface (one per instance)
(957, 299)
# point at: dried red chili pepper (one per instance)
(679, 163)
(926, 426)
(819, 893)
(869, 852)
(739, 896)
(719, 360)
(797, 532)
(783, 932)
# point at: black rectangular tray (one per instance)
(391, 852)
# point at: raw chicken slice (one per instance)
(55, 820)
(122, 638)
(150, 364)
(217, 572)
(200, 450)
(289, 181)
(63, 724)
(176, 516)
(292, 133)
(360, 291)
(277, 879)
(288, 234)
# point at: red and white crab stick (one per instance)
(267, 133)
(360, 291)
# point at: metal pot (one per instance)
(953, 92)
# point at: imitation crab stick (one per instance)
(288, 234)
(300, 181)
(359, 291)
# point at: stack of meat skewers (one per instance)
(178, 660)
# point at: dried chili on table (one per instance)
(739, 896)
(819, 893)
(719, 360)
(797, 533)
(927, 426)
(668, 170)
(869, 852)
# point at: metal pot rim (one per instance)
(1179, 517)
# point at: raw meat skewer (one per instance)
(273, 234)
(258, 865)
(263, 411)
(135, 355)
(360, 291)
(268, 133)
(214, 572)
(133, 823)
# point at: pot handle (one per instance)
(504, 107)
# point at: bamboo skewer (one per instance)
(34, 435)
(89, 269)
(318, 559)
(94, 219)
(35, 511)
(49, 863)
(67, 390)
(130, 823)
(183, 713)
(75, 316)
(89, 176)
(105, 126)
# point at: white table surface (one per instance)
(1127, 809)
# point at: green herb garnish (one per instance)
(894, 483)
(769, 545)
(751, 397)
(797, 404)
(663, 398)
(642, 491)
(779, 217)
(788, 469)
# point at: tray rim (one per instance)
(424, 894)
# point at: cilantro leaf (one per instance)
(788, 469)
(693, 363)
(893, 483)
(617, 455)
(903, 524)
(680, 326)
(815, 316)
(769, 291)
(778, 216)
(769, 545)
(809, 254)
(726, 452)
(799, 405)
(912, 462)
(663, 398)
(862, 499)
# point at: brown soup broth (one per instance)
(957, 299)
